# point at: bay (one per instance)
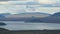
(20, 25)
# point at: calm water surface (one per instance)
(19, 25)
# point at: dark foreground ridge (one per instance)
(5, 31)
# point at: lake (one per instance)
(20, 25)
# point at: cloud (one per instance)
(3, 0)
(13, 9)
(15, 0)
(30, 2)
(4, 3)
(16, 7)
(50, 10)
(46, 1)
(39, 1)
(11, 2)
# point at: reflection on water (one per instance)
(17, 25)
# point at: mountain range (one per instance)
(23, 16)
(55, 18)
(32, 17)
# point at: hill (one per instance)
(24, 16)
(55, 18)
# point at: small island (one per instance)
(2, 24)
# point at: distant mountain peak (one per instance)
(55, 18)
(56, 14)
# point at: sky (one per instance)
(21, 6)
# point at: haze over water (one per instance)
(17, 25)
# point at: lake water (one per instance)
(20, 25)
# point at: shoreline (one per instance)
(5, 31)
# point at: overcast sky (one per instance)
(14, 6)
